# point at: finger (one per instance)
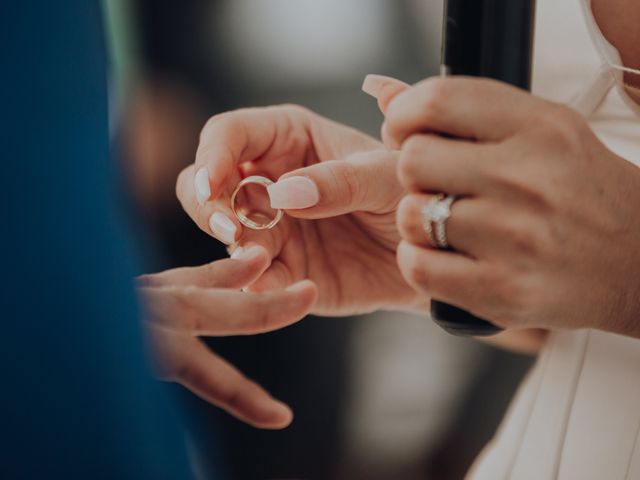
(436, 164)
(289, 265)
(219, 312)
(243, 269)
(479, 109)
(272, 240)
(186, 360)
(248, 135)
(383, 88)
(479, 227)
(462, 226)
(363, 182)
(213, 217)
(279, 275)
(446, 276)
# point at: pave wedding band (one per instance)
(436, 213)
(242, 218)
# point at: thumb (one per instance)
(365, 181)
(384, 89)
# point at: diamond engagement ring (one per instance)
(436, 213)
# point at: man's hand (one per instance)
(187, 303)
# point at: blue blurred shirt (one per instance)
(76, 394)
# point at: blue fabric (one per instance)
(76, 396)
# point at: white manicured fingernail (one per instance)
(373, 84)
(298, 287)
(247, 253)
(294, 193)
(222, 227)
(203, 189)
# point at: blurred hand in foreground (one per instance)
(184, 304)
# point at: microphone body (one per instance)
(493, 39)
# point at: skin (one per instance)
(622, 32)
(527, 254)
(529, 257)
(348, 250)
(186, 303)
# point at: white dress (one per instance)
(577, 414)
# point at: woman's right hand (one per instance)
(338, 188)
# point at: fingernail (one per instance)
(373, 84)
(298, 287)
(294, 193)
(242, 253)
(222, 227)
(203, 189)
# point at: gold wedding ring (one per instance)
(242, 218)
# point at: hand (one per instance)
(187, 303)
(340, 193)
(547, 225)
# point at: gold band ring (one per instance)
(242, 218)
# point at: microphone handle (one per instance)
(494, 39)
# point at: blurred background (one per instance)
(385, 396)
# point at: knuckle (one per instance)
(264, 319)
(404, 171)
(420, 275)
(409, 219)
(510, 298)
(292, 128)
(268, 312)
(230, 396)
(293, 109)
(415, 146)
(186, 316)
(211, 274)
(428, 100)
(524, 179)
(563, 128)
(404, 214)
(521, 236)
(187, 372)
(211, 123)
(354, 190)
(435, 93)
(409, 161)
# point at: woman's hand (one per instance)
(546, 227)
(187, 303)
(342, 180)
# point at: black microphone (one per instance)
(494, 39)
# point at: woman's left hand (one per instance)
(546, 227)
